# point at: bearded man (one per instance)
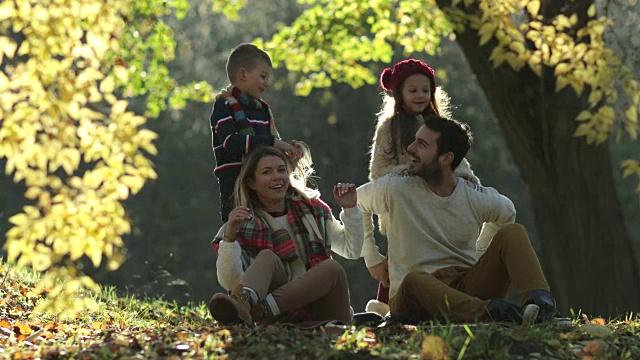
(453, 247)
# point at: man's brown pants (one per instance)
(462, 293)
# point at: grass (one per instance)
(129, 327)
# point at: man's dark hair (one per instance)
(245, 56)
(455, 136)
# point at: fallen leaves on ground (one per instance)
(435, 348)
(127, 327)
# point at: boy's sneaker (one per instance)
(377, 307)
(503, 311)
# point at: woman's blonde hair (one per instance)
(299, 175)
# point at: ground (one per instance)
(129, 327)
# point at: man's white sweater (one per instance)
(427, 232)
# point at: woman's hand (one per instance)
(236, 217)
(346, 195)
(292, 151)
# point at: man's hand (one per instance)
(346, 195)
(380, 272)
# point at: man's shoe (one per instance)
(547, 304)
(503, 311)
(370, 319)
(397, 320)
(229, 310)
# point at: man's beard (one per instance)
(431, 172)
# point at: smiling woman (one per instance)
(274, 252)
(270, 183)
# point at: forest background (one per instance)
(175, 217)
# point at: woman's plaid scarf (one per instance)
(256, 235)
(235, 98)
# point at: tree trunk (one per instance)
(586, 252)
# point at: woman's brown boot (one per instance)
(232, 309)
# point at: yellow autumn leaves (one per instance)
(575, 51)
(69, 138)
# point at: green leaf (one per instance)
(583, 130)
(631, 114)
(584, 115)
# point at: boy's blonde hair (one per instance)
(245, 56)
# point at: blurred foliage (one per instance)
(147, 45)
(67, 136)
(333, 40)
